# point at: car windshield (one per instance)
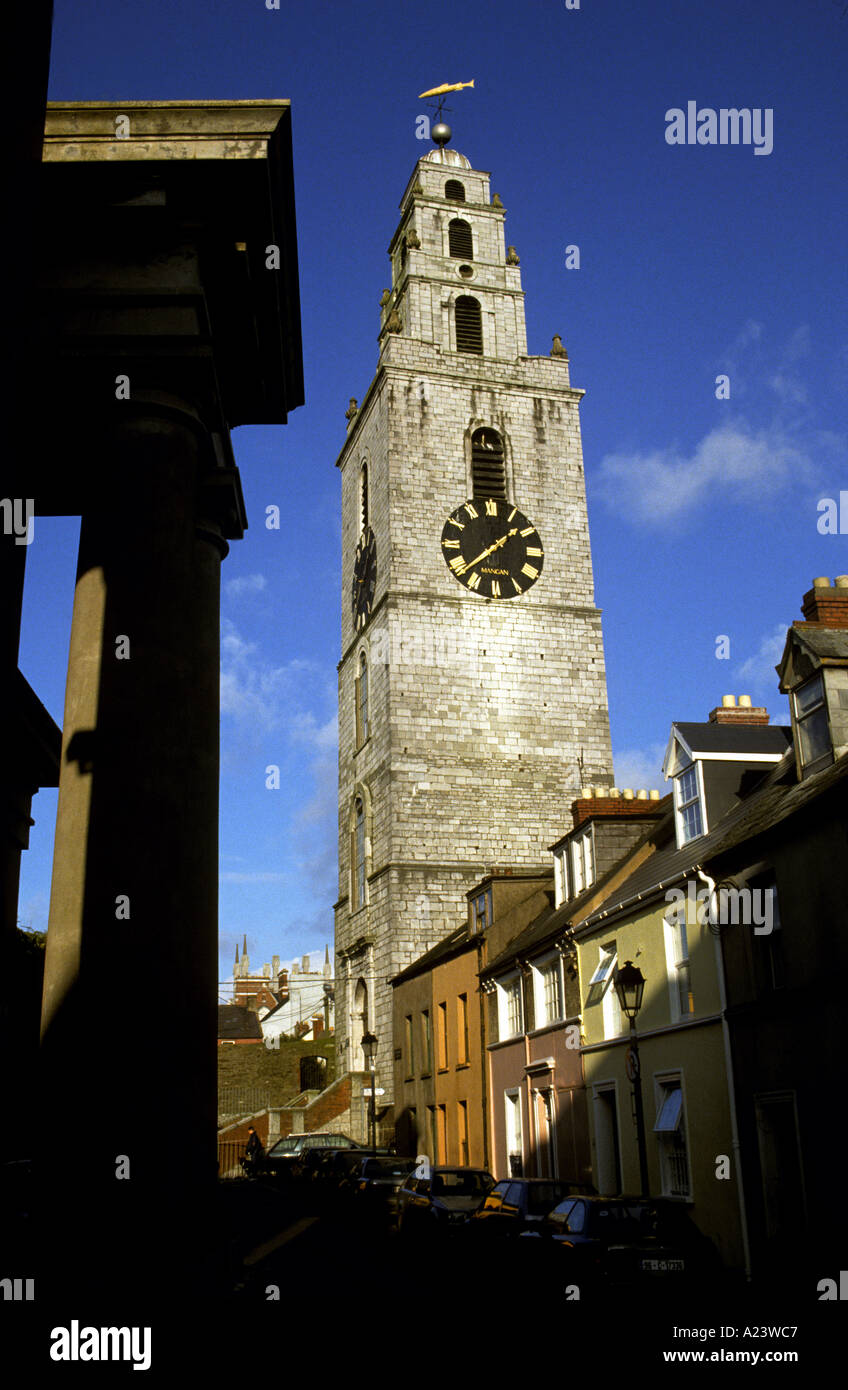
(285, 1146)
(542, 1196)
(460, 1184)
(387, 1167)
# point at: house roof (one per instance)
(777, 797)
(716, 738)
(453, 944)
(234, 1021)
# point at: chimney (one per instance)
(275, 966)
(305, 965)
(607, 802)
(826, 603)
(317, 1024)
(728, 712)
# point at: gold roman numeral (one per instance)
(496, 589)
(517, 587)
(534, 550)
(529, 571)
(528, 531)
(491, 507)
(474, 580)
(457, 563)
(472, 511)
(512, 514)
(459, 524)
(454, 545)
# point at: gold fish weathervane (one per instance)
(446, 87)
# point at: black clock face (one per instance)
(364, 578)
(491, 548)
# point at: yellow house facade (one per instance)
(682, 1050)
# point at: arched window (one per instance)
(455, 191)
(363, 495)
(357, 855)
(361, 697)
(359, 1025)
(469, 325)
(488, 473)
(313, 1073)
(459, 239)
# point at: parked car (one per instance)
(376, 1181)
(281, 1160)
(515, 1205)
(443, 1200)
(627, 1240)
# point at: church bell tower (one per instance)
(472, 692)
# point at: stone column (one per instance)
(128, 1025)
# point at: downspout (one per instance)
(731, 1085)
(484, 1056)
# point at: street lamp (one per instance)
(630, 986)
(369, 1051)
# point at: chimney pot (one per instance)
(744, 702)
(628, 793)
(655, 796)
(728, 701)
(614, 791)
(586, 793)
(841, 581)
(821, 583)
(642, 795)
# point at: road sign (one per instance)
(631, 1064)
(379, 1091)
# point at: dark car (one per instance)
(376, 1181)
(442, 1201)
(515, 1205)
(283, 1158)
(627, 1240)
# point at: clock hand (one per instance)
(503, 540)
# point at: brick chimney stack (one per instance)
(728, 712)
(826, 603)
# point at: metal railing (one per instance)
(243, 1100)
(230, 1154)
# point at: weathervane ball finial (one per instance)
(441, 133)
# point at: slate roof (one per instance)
(776, 798)
(828, 643)
(735, 738)
(235, 1021)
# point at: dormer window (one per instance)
(582, 861)
(480, 912)
(810, 710)
(688, 805)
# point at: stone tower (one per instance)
(472, 693)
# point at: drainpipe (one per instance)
(731, 1085)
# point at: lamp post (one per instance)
(369, 1049)
(630, 986)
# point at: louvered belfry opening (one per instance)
(459, 239)
(469, 325)
(455, 191)
(488, 471)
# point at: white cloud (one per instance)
(252, 691)
(759, 668)
(244, 584)
(640, 768)
(732, 461)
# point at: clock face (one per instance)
(364, 578)
(491, 548)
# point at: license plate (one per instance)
(662, 1266)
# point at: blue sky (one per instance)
(695, 260)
